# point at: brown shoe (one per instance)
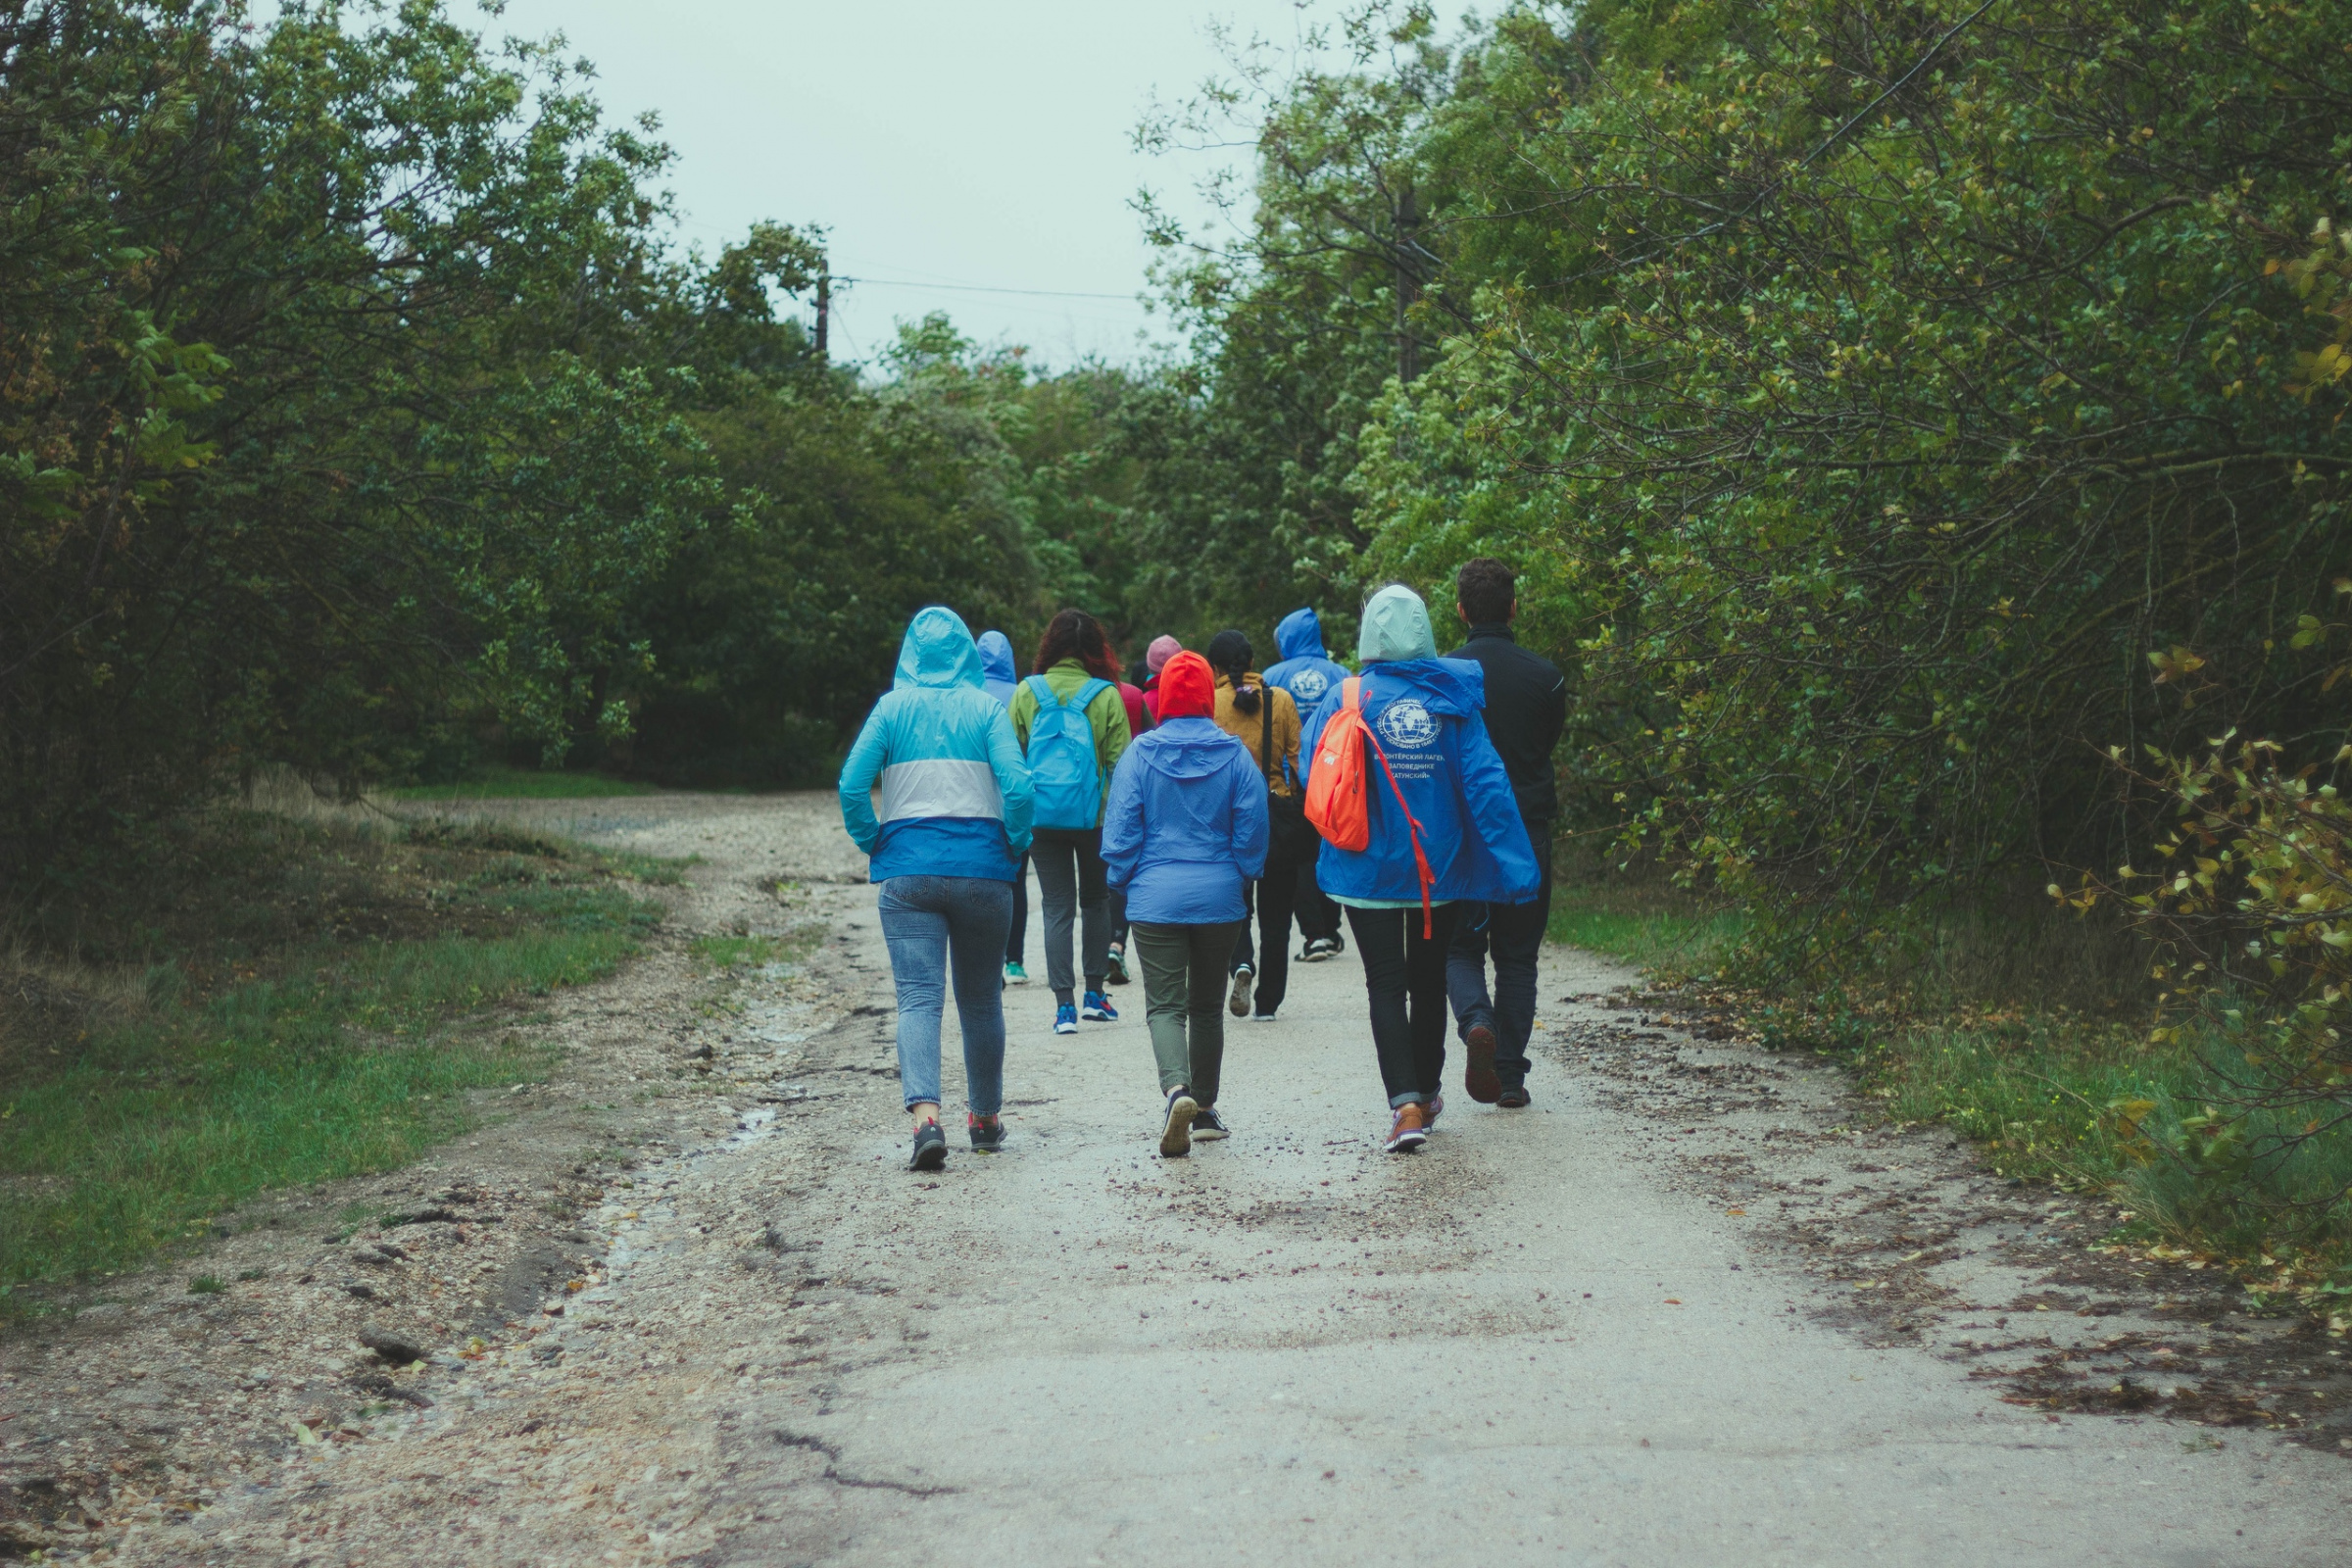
(1479, 1077)
(1406, 1133)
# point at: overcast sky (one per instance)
(983, 144)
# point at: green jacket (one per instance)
(1106, 714)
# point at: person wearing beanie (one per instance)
(1155, 659)
(1184, 832)
(1436, 779)
(1263, 718)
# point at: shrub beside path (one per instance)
(1693, 1307)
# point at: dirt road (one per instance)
(1671, 1314)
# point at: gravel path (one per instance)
(1658, 1318)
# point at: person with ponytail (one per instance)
(1263, 718)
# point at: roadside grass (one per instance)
(522, 784)
(1643, 918)
(741, 951)
(2029, 1035)
(289, 1002)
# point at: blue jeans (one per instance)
(1514, 932)
(933, 924)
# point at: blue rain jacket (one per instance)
(1184, 826)
(935, 785)
(1306, 671)
(1425, 713)
(997, 675)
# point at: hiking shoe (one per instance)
(1176, 1138)
(1098, 1008)
(1066, 1019)
(1208, 1126)
(1015, 975)
(1239, 1002)
(930, 1148)
(987, 1134)
(1478, 1070)
(1118, 965)
(1408, 1132)
(1512, 1097)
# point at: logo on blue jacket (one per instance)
(1406, 723)
(1308, 686)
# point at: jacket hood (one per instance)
(1300, 636)
(995, 656)
(1184, 748)
(1395, 626)
(1443, 685)
(937, 651)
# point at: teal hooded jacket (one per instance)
(936, 784)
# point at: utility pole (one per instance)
(1408, 287)
(824, 307)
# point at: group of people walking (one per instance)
(1416, 796)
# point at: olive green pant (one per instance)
(1184, 984)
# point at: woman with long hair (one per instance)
(1072, 726)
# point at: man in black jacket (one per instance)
(1527, 707)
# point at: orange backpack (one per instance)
(1336, 800)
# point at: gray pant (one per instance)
(1184, 983)
(1071, 885)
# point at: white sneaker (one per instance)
(1261, 1017)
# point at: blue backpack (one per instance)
(1066, 779)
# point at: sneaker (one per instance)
(1321, 947)
(1098, 1008)
(1406, 1133)
(1477, 1071)
(1430, 1109)
(987, 1134)
(1512, 1097)
(1176, 1138)
(1239, 1002)
(1118, 965)
(1066, 1019)
(1261, 1017)
(1208, 1126)
(1015, 975)
(930, 1148)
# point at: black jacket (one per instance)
(1527, 707)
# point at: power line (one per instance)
(981, 288)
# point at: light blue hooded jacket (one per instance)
(1185, 826)
(1306, 671)
(1428, 713)
(935, 785)
(997, 674)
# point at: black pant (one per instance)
(1318, 916)
(1270, 898)
(1071, 883)
(1020, 913)
(1515, 934)
(1405, 977)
